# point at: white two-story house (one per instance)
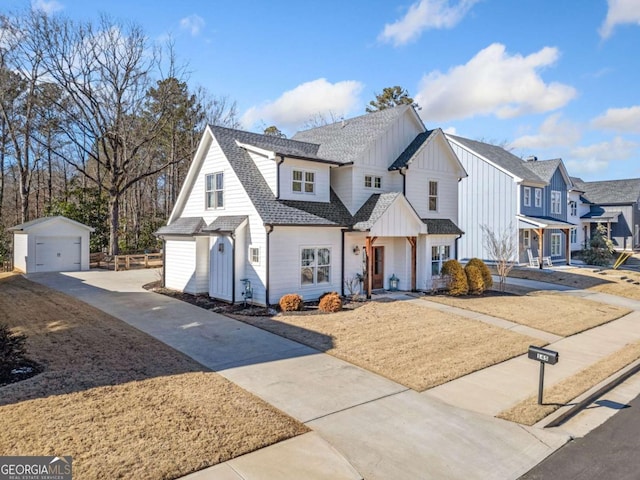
(372, 196)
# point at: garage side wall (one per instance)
(20, 251)
(180, 269)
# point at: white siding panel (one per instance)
(342, 184)
(322, 180)
(20, 251)
(180, 268)
(268, 169)
(486, 197)
(285, 250)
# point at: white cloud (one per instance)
(597, 157)
(553, 132)
(47, 6)
(619, 13)
(619, 119)
(193, 24)
(424, 15)
(305, 101)
(493, 82)
(450, 130)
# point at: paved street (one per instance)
(609, 451)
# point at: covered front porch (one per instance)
(543, 240)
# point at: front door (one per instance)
(377, 279)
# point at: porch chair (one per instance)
(546, 261)
(533, 261)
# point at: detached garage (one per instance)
(51, 244)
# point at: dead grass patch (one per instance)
(413, 345)
(528, 412)
(549, 311)
(118, 400)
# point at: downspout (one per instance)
(232, 236)
(342, 263)
(403, 172)
(266, 287)
(278, 163)
(456, 246)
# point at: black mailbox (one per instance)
(543, 355)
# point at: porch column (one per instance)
(368, 247)
(540, 247)
(609, 230)
(567, 249)
(413, 242)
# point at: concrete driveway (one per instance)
(383, 429)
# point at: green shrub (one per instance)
(291, 302)
(475, 281)
(599, 250)
(484, 270)
(12, 352)
(330, 302)
(457, 278)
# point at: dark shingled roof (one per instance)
(345, 141)
(183, 226)
(271, 210)
(225, 224)
(441, 226)
(599, 213)
(373, 209)
(612, 191)
(500, 157)
(290, 148)
(544, 168)
(411, 150)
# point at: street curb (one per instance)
(559, 417)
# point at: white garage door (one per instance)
(57, 254)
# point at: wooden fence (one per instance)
(126, 262)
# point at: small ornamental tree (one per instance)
(484, 270)
(457, 278)
(501, 248)
(474, 279)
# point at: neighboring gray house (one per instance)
(504, 192)
(613, 203)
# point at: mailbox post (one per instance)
(544, 356)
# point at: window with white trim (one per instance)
(573, 207)
(303, 181)
(555, 244)
(254, 255)
(538, 197)
(372, 181)
(574, 235)
(526, 238)
(433, 196)
(527, 196)
(315, 266)
(556, 203)
(439, 254)
(214, 190)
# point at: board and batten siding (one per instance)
(322, 180)
(286, 244)
(488, 197)
(180, 272)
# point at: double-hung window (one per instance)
(556, 203)
(254, 255)
(315, 266)
(214, 190)
(372, 181)
(538, 197)
(555, 244)
(527, 196)
(573, 205)
(303, 181)
(433, 196)
(439, 255)
(526, 238)
(574, 235)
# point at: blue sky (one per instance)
(550, 78)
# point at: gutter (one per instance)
(342, 262)
(403, 172)
(232, 236)
(269, 228)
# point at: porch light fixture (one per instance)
(356, 250)
(221, 247)
(393, 283)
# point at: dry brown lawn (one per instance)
(549, 311)
(118, 400)
(528, 412)
(413, 345)
(624, 283)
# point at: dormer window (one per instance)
(371, 181)
(303, 182)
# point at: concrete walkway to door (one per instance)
(381, 428)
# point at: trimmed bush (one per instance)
(457, 278)
(474, 279)
(484, 270)
(330, 302)
(291, 302)
(12, 352)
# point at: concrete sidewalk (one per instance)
(375, 426)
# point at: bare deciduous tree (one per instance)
(501, 248)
